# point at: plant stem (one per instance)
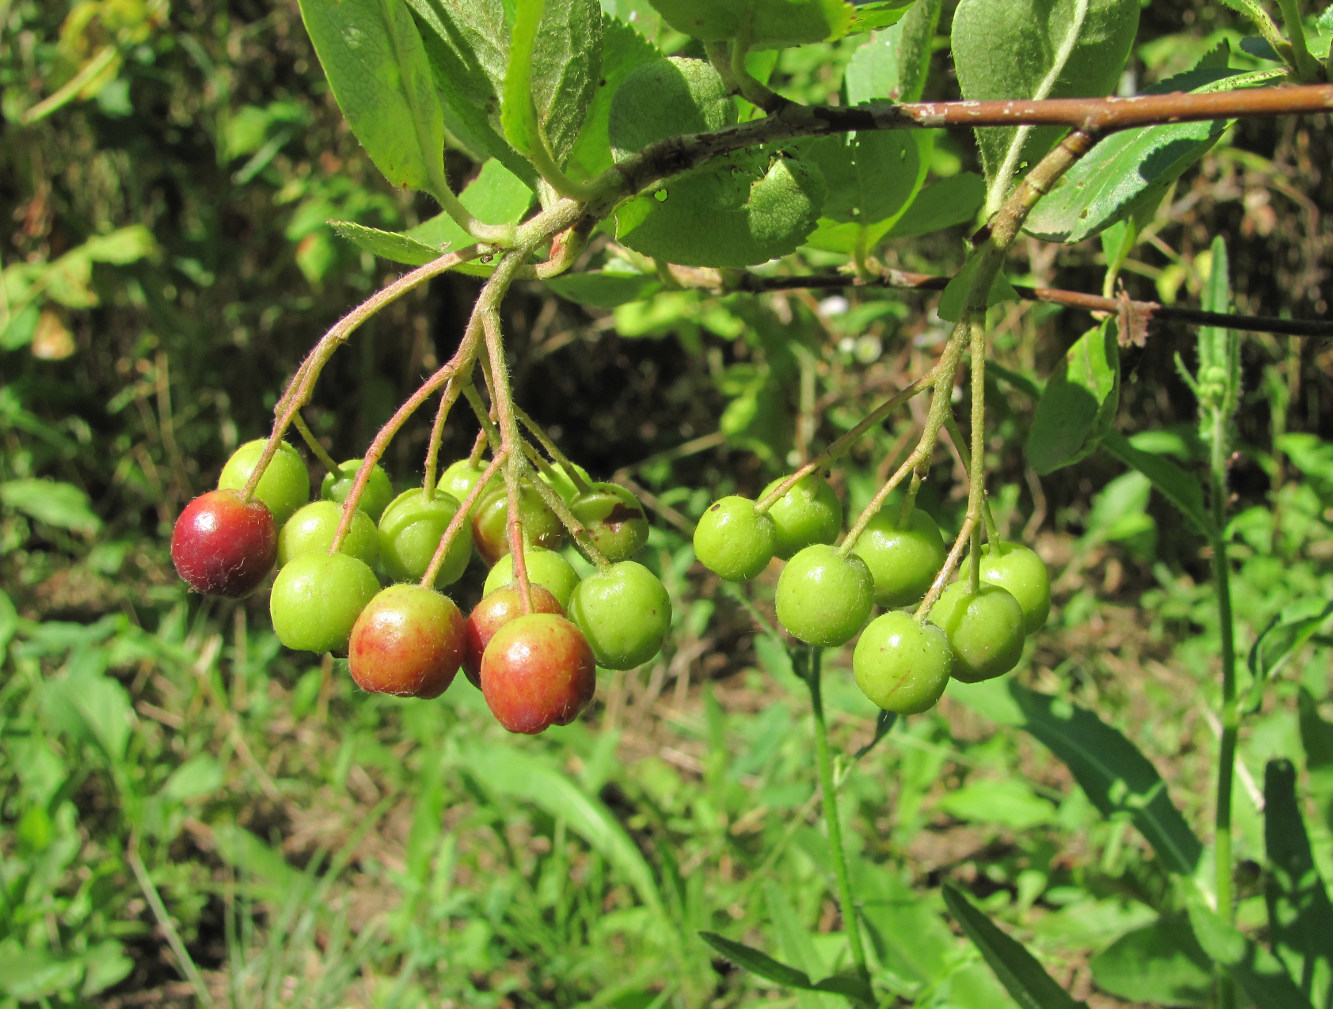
(827, 787)
(1226, 757)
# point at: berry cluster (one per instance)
(826, 593)
(533, 642)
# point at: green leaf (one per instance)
(666, 98)
(376, 64)
(1018, 970)
(1256, 971)
(944, 204)
(1127, 170)
(126, 245)
(1160, 964)
(1078, 405)
(1300, 914)
(605, 290)
(1286, 634)
(495, 196)
(468, 45)
(762, 24)
(1111, 770)
(516, 775)
(1036, 49)
(623, 51)
(200, 775)
(390, 245)
(1170, 480)
(57, 504)
(877, 14)
(756, 962)
(916, 34)
(739, 210)
(94, 710)
(555, 54)
(566, 70)
(1007, 802)
(794, 941)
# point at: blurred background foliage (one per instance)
(189, 814)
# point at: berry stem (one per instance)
(447, 401)
(846, 441)
(312, 443)
(550, 448)
(456, 523)
(302, 386)
(573, 526)
(807, 661)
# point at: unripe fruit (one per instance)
(460, 477)
(824, 598)
(624, 612)
(312, 528)
(374, 498)
(903, 561)
(985, 630)
(616, 522)
(223, 546)
(536, 672)
(285, 485)
(559, 480)
(1017, 568)
(490, 521)
(408, 642)
(316, 599)
(494, 611)
(547, 568)
(410, 531)
(901, 665)
(733, 540)
(808, 513)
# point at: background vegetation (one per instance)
(190, 814)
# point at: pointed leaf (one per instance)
(1018, 970)
(1111, 770)
(1286, 634)
(794, 941)
(605, 290)
(376, 64)
(756, 962)
(390, 245)
(1175, 484)
(1036, 49)
(1257, 972)
(1079, 403)
(1300, 914)
(468, 45)
(944, 204)
(1128, 170)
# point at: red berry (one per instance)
(494, 611)
(408, 641)
(224, 546)
(537, 671)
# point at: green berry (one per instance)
(824, 598)
(312, 528)
(559, 480)
(733, 540)
(410, 531)
(808, 513)
(546, 568)
(624, 612)
(316, 599)
(985, 630)
(1017, 568)
(616, 522)
(902, 560)
(490, 521)
(460, 477)
(901, 665)
(285, 485)
(374, 498)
